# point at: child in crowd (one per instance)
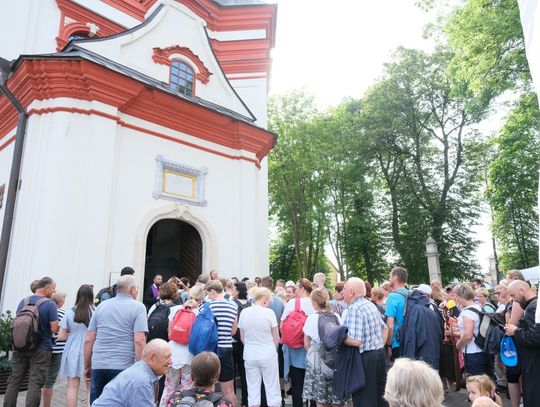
(481, 385)
(205, 368)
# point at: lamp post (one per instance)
(493, 270)
(432, 254)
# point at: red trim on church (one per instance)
(163, 56)
(81, 16)
(41, 79)
(243, 56)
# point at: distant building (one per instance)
(145, 144)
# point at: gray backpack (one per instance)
(328, 321)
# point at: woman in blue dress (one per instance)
(73, 327)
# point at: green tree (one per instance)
(513, 186)
(297, 191)
(417, 129)
(489, 51)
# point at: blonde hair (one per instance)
(436, 291)
(482, 291)
(214, 285)
(413, 383)
(197, 292)
(485, 386)
(464, 291)
(250, 284)
(58, 297)
(377, 292)
(320, 297)
(259, 293)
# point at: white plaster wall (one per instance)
(62, 213)
(174, 25)
(231, 191)
(254, 94)
(28, 27)
(87, 187)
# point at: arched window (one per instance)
(181, 78)
(78, 36)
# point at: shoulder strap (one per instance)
(479, 313)
(297, 304)
(26, 301)
(41, 301)
(214, 397)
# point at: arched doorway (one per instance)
(173, 248)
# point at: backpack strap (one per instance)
(214, 397)
(297, 304)
(41, 301)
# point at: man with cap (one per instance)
(527, 339)
(421, 333)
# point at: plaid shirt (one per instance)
(365, 323)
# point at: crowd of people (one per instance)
(288, 342)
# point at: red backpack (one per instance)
(292, 334)
(181, 326)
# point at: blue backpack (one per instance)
(204, 332)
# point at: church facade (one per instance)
(145, 142)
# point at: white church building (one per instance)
(145, 141)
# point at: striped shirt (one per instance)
(225, 313)
(365, 323)
(58, 346)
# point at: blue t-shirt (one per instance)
(47, 314)
(395, 303)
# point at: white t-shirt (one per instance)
(305, 305)
(257, 322)
(180, 353)
(471, 347)
(311, 327)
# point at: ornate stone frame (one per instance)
(198, 174)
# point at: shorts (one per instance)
(52, 373)
(513, 374)
(227, 364)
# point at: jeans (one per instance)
(100, 378)
(37, 364)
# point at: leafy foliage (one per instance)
(513, 185)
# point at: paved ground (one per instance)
(458, 399)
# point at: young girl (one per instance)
(481, 385)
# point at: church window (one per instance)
(78, 36)
(181, 79)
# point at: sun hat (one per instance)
(508, 354)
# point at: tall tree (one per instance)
(297, 192)
(418, 127)
(513, 185)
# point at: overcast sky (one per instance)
(337, 49)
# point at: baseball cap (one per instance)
(426, 289)
(290, 283)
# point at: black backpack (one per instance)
(490, 331)
(328, 321)
(158, 322)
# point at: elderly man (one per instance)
(116, 336)
(137, 385)
(367, 331)
(527, 338)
